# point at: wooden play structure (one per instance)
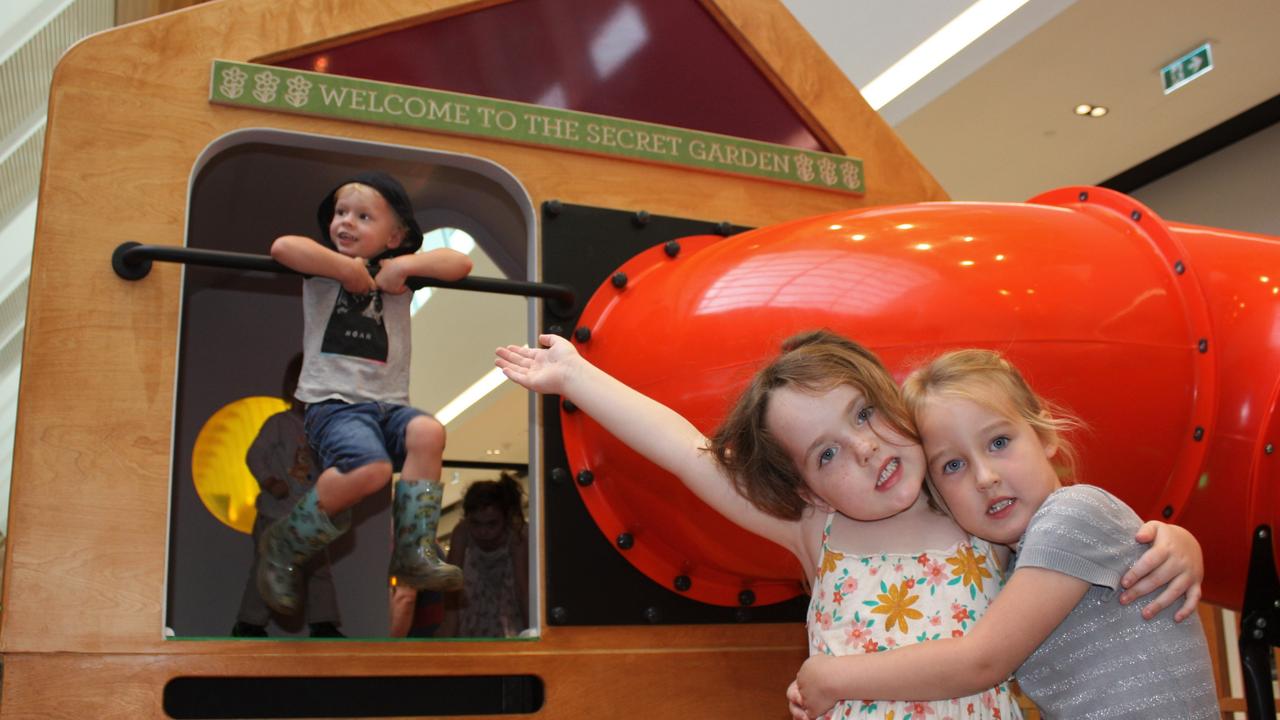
(170, 131)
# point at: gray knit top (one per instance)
(1104, 660)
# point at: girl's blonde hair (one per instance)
(987, 378)
(814, 361)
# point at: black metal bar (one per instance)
(132, 261)
(1259, 626)
(486, 465)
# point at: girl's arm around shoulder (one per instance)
(441, 264)
(311, 258)
(1021, 617)
(650, 428)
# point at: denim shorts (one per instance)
(351, 435)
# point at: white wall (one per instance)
(1234, 189)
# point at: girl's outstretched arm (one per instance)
(1174, 558)
(645, 425)
(1025, 612)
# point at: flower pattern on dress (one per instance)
(874, 603)
(968, 569)
(895, 601)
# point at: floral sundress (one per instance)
(871, 603)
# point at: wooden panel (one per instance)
(128, 11)
(581, 679)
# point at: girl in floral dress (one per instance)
(819, 455)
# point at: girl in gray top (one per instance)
(995, 454)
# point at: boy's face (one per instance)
(363, 224)
(992, 468)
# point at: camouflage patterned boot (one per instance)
(414, 562)
(286, 547)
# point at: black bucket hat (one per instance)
(393, 192)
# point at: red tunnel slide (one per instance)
(1163, 337)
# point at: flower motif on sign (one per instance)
(827, 169)
(850, 174)
(804, 167)
(265, 84)
(232, 82)
(298, 92)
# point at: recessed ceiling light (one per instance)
(1097, 111)
(1091, 110)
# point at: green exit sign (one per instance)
(1186, 68)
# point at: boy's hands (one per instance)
(391, 276)
(1174, 558)
(543, 370)
(355, 276)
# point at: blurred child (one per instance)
(491, 545)
(285, 467)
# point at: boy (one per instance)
(355, 381)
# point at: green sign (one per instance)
(265, 87)
(1186, 68)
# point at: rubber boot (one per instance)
(286, 547)
(414, 561)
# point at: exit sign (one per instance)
(1186, 68)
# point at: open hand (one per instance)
(544, 369)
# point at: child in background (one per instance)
(285, 467)
(491, 545)
(991, 445)
(355, 381)
(819, 456)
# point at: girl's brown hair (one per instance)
(987, 378)
(814, 361)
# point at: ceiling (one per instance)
(997, 121)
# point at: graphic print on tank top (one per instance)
(355, 326)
